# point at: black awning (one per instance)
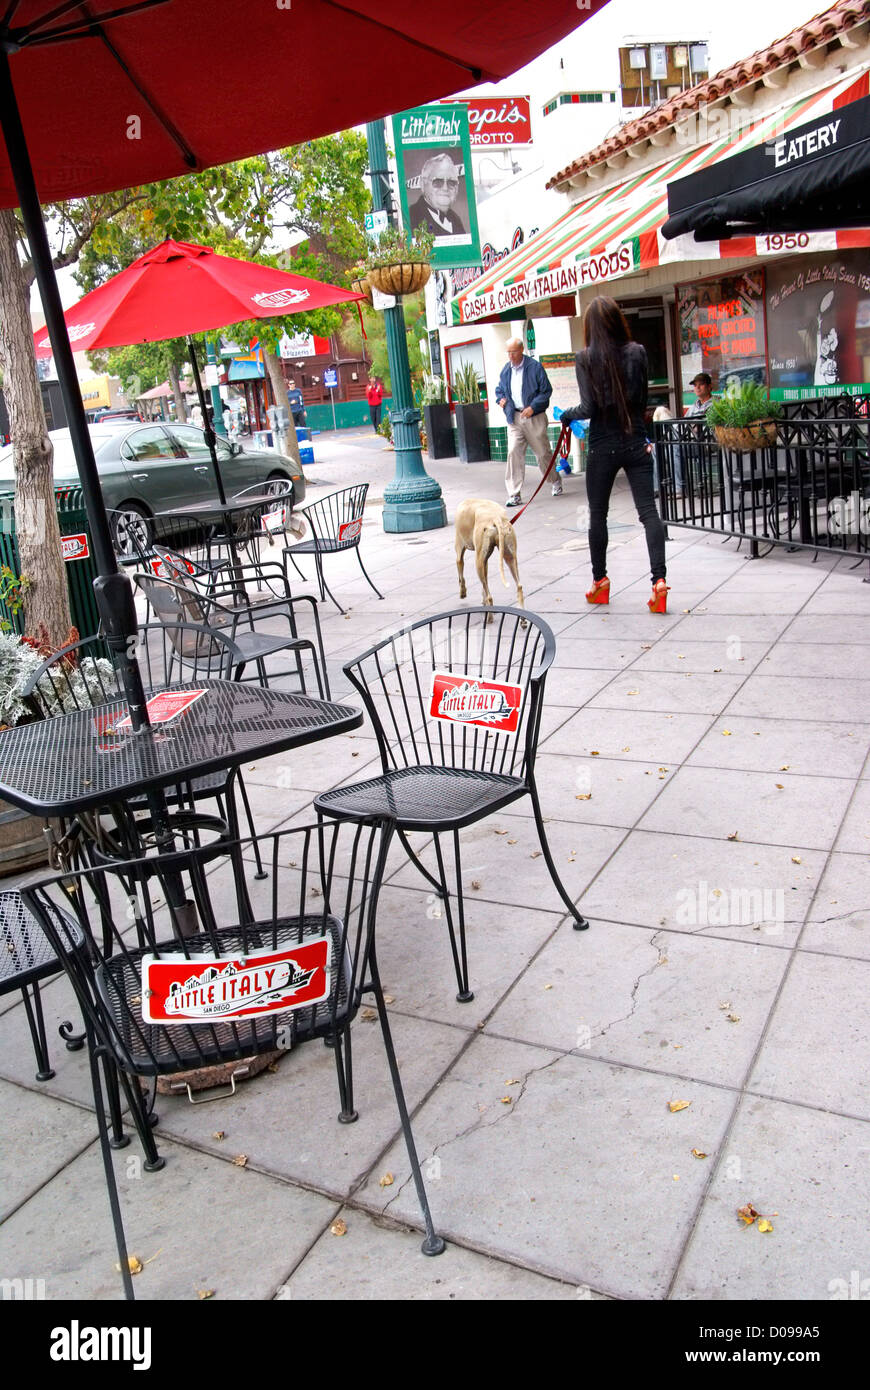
(813, 178)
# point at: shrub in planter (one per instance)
(436, 413)
(471, 427)
(744, 418)
(399, 262)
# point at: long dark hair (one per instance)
(606, 333)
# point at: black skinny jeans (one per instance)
(601, 470)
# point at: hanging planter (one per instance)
(398, 262)
(744, 419)
(760, 434)
(362, 286)
(403, 277)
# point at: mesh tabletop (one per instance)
(75, 762)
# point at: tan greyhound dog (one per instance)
(482, 526)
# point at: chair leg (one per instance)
(144, 1122)
(119, 1139)
(324, 587)
(341, 1045)
(366, 573)
(433, 1244)
(439, 887)
(297, 569)
(460, 960)
(580, 923)
(36, 1023)
(322, 670)
(108, 1166)
(318, 566)
(234, 822)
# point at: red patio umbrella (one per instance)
(107, 94)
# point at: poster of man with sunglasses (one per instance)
(442, 194)
(436, 180)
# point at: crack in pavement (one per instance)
(661, 960)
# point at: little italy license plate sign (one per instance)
(205, 989)
(471, 700)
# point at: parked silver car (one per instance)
(149, 468)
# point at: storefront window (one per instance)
(722, 330)
(818, 318)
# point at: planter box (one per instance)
(761, 434)
(439, 430)
(22, 842)
(472, 432)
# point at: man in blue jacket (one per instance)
(524, 393)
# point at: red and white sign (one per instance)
(205, 989)
(165, 707)
(169, 566)
(350, 530)
(274, 520)
(74, 547)
(469, 700)
(497, 120)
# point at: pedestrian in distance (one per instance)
(375, 396)
(612, 374)
(524, 393)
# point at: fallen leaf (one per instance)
(726, 733)
(645, 646)
(205, 1293)
(219, 1134)
(387, 1180)
(626, 750)
(795, 859)
(511, 842)
(500, 832)
(717, 670)
(747, 1213)
(676, 1177)
(240, 1160)
(536, 854)
(698, 1153)
(734, 836)
(338, 1228)
(675, 1105)
(632, 692)
(506, 1100)
(583, 796)
(355, 755)
(368, 1015)
(593, 753)
(548, 986)
(475, 883)
(733, 1018)
(512, 1081)
(680, 656)
(388, 999)
(134, 1264)
(765, 1225)
(784, 767)
(780, 787)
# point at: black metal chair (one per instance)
(26, 958)
(79, 676)
(455, 746)
(186, 545)
(336, 525)
(176, 604)
(162, 999)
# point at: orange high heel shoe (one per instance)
(659, 601)
(600, 591)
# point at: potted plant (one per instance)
(471, 427)
(436, 414)
(399, 262)
(22, 842)
(360, 285)
(744, 418)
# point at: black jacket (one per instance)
(605, 426)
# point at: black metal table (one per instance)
(74, 763)
(236, 508)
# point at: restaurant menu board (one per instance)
(818, 324)
(722, 330)
(560, 368)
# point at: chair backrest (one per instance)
(337, 518)
(171, 600)
(186, 546)
(190, 621)
(169, 652)
(459, 690)
(78, 676)
(316, 914)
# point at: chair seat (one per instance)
(148, 1049)
(25, 953)
(254, 645)
(424, 798)
(325, 547)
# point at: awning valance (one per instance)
(618, 232)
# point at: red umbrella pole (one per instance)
(113, 590)
(210, 437)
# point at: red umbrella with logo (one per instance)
(112, 93)
(178, 289)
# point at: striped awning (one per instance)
(617, 232)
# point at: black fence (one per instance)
(811, 488)
(78, 556)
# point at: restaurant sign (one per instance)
(203, 988)
(75, 547)
(561, 280)
(487, 704)
(498, 121)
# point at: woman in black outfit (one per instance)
(612, 376)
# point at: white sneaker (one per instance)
(557, 489)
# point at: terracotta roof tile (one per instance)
(843, 15)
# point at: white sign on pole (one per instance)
(376, 222)
(211, 374)
(382, 301)
(300, 346)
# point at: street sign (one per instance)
(330, 377)
(382, 301)
(376, 222)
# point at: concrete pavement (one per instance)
(706, 782)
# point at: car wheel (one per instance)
(276, 486)
(132, 531)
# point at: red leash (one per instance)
(563, 435)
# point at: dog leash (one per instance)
(563, 435)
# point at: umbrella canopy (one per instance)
(134, 98)
(178, 289)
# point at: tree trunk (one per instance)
(279, 391)
(39, 549)
(175, 383)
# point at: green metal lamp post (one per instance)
(412, 501)
(217, 403)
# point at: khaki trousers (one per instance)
(531, 431)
